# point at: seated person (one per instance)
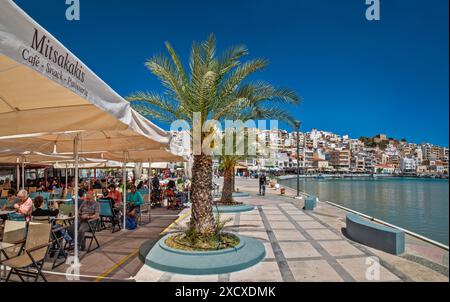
(25, 204)
(105, 194)
(170, 193)
(40, 210)
(134, 202)
(89, 209)
(114, 194)
(11, 200)
(171, 185)
(140, 185)
(97, 185)
(155, 182)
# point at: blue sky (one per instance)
(355, 77)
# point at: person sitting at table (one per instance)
(89, 209)
(25, 204)
(105, 194)
(40, 210)
(82, 190)
(97, 185)
(170, 193)
(134, 201)
(114, 194)
(11, 200)
(155, 182)
(7, 183)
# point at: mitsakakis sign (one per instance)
(49, 59)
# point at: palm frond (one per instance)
(165, 70)
(240, 73)
(147, 100)
(177, 62)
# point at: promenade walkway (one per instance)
(117, 258)
(311, 246)
(300, 246)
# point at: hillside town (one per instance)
(324, 152)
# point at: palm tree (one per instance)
(212, 88)
(267, 107)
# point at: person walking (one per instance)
(262, 184)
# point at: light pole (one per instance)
(297, 126)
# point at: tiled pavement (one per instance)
(117, 258)
(298, 248)
(310, 246)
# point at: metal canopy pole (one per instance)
(297, 125)
(149, 185)
(23, 173)
(67, 180)
(75, 152)
(124, 193)
(17, 176)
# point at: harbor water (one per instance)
(416, 204)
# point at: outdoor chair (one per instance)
(40, 219)
(157, 197)
(107, 214)
(4, 193)
(146, 208)
(14, 233)
(45, 195)
(33, 195)
(30, 262)
(3, 201)
(57, 247)
(67, 209)
(16, 217)
(32, 189)
(90, 235)
(57, 193)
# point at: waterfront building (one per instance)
(408, 165)
(340, 159)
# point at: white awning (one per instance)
(47, 96)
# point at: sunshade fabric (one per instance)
(108, 164)
(44, 91)
(37, 157)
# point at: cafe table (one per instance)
(2, 212)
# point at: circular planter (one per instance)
(247, 253)
(233, 208)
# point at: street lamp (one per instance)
(297, 124)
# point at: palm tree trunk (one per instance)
(228, 185)
(202, 218)
(234, 179)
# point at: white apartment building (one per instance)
(408, 164)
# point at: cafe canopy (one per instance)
(48, 94)
(51, 103)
